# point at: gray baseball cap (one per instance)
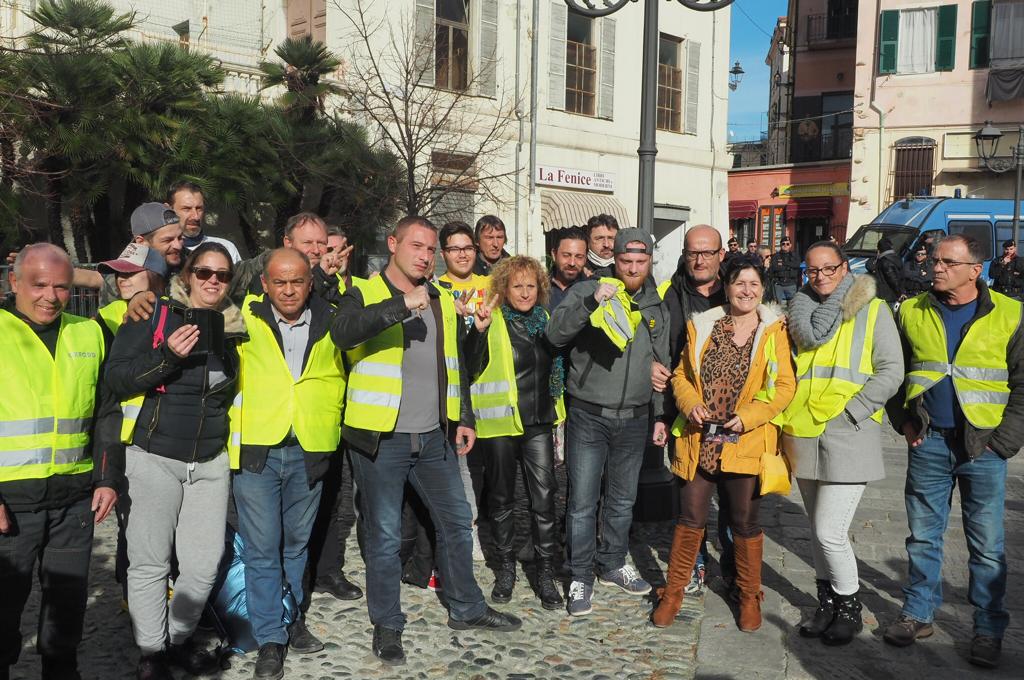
(633, 235)
(149, 217)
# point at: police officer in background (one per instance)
(51, 494)
(918, 273)
(1007, 272)
(784, 272)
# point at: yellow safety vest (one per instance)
(341, 282)
(494, 394)
(48, 401)
(765, 394)
(830, 375)
(113, 314)
(979, 370)
(617, 316)
(273, 403)
(663, 288)
(374, 391)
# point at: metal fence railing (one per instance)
(83, 302)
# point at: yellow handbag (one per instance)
(775, 475)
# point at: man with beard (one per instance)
(1007, 272)
(490, 237)
(600, 231)
(187, 201)
(569, 256)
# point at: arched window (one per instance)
(913, 167)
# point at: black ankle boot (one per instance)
(504, 581)
(824, 614)
(847, 622)
(550, 598)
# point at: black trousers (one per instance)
(536, 456)
(59, 543)
(335, 518)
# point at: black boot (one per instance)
(191, 658)
(270, 662)
(153, 667)
(550, 598)
(504, 581)
(824, 614)
(847, 622)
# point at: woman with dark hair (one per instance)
(850, 361)
(516, 395)
(176, 397)
(734, 379)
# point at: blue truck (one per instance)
(914, 220)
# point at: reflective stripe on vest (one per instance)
(979, 370)
(830, 375)
(48, 400)
(374, 392)
(273, 403)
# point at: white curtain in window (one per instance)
(917, 40)
(1008, 34)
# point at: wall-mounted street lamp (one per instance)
(735, 76)
(987, 141)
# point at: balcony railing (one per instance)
(824, 28)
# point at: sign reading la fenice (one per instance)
(591, 180)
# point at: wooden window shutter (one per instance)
(945, 39)
(319, 31)
(606, 102)
(424, 42)
(298, 15)
(888, 39)
(487, 77)
(981, 26)
(692, 87)
(556, 58)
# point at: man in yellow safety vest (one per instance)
(51, 493)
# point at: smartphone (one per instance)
(211, 330)
(715, 433)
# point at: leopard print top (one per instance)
(723, 372)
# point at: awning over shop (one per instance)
(742, 210)
(573, 208)
(809, 207)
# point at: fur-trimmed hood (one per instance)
(704, 323)
(863, 291)
(234, 324)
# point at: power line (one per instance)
(751, 20)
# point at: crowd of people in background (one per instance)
(259, 408)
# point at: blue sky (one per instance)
(751, 20)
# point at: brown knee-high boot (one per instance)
(685, 546)
(748, 580)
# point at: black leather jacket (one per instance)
(532, 358)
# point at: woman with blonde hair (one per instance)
(735, 377)
(516, 395)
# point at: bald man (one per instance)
(291, 425)
(51, 494)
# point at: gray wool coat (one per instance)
(849, 451)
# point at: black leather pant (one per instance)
(536, 454)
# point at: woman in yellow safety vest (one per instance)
(849, 362)
(517, 399)
(734, 379)
(178, 383)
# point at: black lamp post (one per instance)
(987, 141)
(649, 87)
(736, 76)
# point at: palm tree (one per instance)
(304, 65)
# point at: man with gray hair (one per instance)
(51, 494)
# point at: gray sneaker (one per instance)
(579, 598)
(627, 579)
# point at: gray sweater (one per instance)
(599, 372)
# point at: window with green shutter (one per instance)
(945, 39)
(981, 26)
(889, 36)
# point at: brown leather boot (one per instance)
(748, 580)
(685, 546)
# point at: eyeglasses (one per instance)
(204, 274)
(947, 264)
(827, 270)
(455, 250)
(696, 254)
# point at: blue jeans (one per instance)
(596, 447)
(427, 462)
(935, 467)
(784, 292)
(727, 560)
(276, 509)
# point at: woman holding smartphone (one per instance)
(735, 376)
(175, 423)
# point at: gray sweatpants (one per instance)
(177, 507)
(830, 508)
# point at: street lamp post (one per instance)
(987, 141)
(649, 88)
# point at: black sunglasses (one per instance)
(204, 274)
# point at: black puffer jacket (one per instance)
(185, 413)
